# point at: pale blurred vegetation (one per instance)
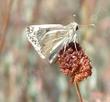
(25, 77)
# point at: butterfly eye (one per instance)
(77, 27)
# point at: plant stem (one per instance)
(78, 92)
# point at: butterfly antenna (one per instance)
(92, 25)
(89, 25)
(74, 40)
(74, 17)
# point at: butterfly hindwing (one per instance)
(52, 41)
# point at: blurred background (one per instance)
(25, 77)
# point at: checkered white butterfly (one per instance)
(48, 39)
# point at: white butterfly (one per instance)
(48, 39)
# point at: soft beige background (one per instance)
(24, 77)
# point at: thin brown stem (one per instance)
(5, 17)
(78, 92)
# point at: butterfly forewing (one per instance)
(46, 38)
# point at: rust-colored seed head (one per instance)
(74, 63)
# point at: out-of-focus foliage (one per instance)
(25, 77)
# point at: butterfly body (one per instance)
(48, 39)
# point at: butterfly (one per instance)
(48, 39)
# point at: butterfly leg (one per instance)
(65, 44)
(67, 40)
(74, 40)
(64, 47)
(73, 37)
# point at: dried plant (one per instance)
(74, 63)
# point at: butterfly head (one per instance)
(75, 26)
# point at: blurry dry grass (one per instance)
(4, 15)
(24, 77)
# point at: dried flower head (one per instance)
(74, 63)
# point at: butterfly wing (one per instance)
(46, 40)
(52, 43)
